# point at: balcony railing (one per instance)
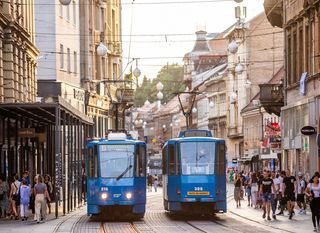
(271, 97)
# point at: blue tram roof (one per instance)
(129, 140)
(195, 135)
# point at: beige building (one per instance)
(258, 57)
(18, 53)
(300, 22)
(100, 22)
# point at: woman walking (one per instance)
(313, 193)
(14, 197)
(248, 189)
(48, 183)
(254, 189)
(41, 193)
(237, 189)
(4, 201)
(25, 193)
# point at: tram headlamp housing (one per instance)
(129, 195)
(104, 196)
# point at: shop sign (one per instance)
(308, 130)
(26, 132)
(125, 95)
(78, 94)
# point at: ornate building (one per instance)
(18, 53)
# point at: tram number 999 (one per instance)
(198, 189)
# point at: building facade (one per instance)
(300, 22)
(18, 82)
(100, 22)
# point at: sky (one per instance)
(162, 31)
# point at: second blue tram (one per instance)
(116, 177)
(194, 173)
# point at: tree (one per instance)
(171, 77)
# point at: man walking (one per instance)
(288, 192)
(265, 189)
(281, 198)
(302, 184)
(275, 192)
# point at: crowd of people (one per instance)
(19, 195)
(270, 190)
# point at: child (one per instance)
(25, 193)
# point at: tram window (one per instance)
(164, 161)
(171, 160)
(95, 154)
(140, 161)
(90, 162)
(221, 159)
(177, 160)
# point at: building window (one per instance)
(61, 10)
(114, 71)
(300, 51)
(68, 13)
(307, 44)
(75, 61)
(295, 57)
(289, 61)
(61, 57)
(68, 60)
(74, 12)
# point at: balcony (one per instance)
(271, 97)
(233, 133)
(274, 12)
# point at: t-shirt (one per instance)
(40, 188)
(266, 185)
(276, 186)
(301, 185)
(315, 190)
(289, 182)
(280, 178)
(25, 193)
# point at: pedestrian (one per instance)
(281, 199)
(155, 183)
(248, 188)
(41, 193)
(149, 178)
(25, 176)
(288, 191)
(237, 189)
(25, 193)
(32, 198)
(266, 191)
(4, 200)
(302, 184)
(275, 194)
(48, 183)
(313, 193)
(254, 189)
(15, 197)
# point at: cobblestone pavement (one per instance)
(156, 220)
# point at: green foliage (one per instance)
(171, 76)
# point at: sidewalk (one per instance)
(31, 226)
(299, 223)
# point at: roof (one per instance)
(44, 113)
(199, 79)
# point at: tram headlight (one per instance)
(104, 196)
(129, 195)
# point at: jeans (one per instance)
(24, 210)
(274, 202)
(40, 204)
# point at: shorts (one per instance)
(300, 198)
(290, 197)
(248, 191)
(266, 197)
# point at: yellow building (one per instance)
(100, 22)
(18, 53)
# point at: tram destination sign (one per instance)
(308, 130)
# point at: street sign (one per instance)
(308, 130)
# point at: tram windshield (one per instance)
(116, 160)
(197, 158)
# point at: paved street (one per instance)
(242, 219)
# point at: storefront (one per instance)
(46, 138)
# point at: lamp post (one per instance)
(160, 94)
(136, 73)
(65, 2)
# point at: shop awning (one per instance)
(269, 156)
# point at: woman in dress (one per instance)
(4, 200)
(237, 189)
(254, 189)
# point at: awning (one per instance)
(269, 156)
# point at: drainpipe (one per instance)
(262, 127)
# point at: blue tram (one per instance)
(116, 176)
(194, 173)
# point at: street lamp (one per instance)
(136, 73)
(102, 50)
(65, 2)
(211, 104)
(238, 69)
(160, 94)
(233, 47)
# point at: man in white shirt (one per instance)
(300, 193)
(275, 192)
(281, 199)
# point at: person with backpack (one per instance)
(25, 193)
(15, 197)
(4, 201)
(302, 184)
